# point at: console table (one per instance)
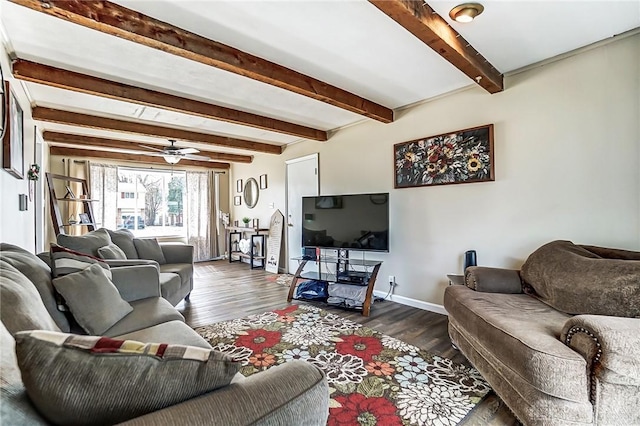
(255, 235)
(344, 269)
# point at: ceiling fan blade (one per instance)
(197, 157)
(188, 150)
(151, 147)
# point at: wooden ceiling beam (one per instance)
(424, 23)
(95, 122)
(93, 141)
(134, 158)
(77, 82)
(128, 24)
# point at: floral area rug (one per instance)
(374, 379)
(282, 279)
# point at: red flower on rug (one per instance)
(362, 347)
(259, 340)
(287, 310)
(357, 409)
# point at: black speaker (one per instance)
(309, 252)
(470, 259)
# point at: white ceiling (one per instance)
(348, 44)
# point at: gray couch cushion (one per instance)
(17, 410)
(111, 251)
(92, 299)
(10, 374)
(528, 334)
(185, 270)
(148, 248)
(39, 273)
(88, 243)
(20, 305)
(170, 287)
(146, 313)
(61, 373)
(172, 332)
(123, 238)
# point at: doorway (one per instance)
(302, 180)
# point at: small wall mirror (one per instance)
(251, 193)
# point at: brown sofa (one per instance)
(549, 367)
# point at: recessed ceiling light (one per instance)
(466, 12)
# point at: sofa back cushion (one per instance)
(88, 243)
(579, 280)
(39, 273)
(149, 248)
(21, 308)
(123, 238)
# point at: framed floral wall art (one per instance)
(463, 156)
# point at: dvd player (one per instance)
(354, 277)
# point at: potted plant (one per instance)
(246, 221)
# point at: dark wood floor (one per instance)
(224, 291)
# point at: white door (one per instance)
(302, 180)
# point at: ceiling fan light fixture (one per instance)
(172, 159)
(466, 12)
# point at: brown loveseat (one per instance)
(552, 367)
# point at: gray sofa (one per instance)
(294, 393)
(548, 366)
(174, 263)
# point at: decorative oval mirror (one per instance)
(251, 193)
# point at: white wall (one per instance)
(567, 139)
(18, 227)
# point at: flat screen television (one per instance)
(354, 222)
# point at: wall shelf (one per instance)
(59, 224)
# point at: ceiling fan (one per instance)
(172, 154)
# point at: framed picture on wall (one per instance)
(239, 185)
(263, 181)
(237, 200)
(461, 156)
(13, 140)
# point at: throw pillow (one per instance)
(92, 298)
(111, 251)
(66, 261)
(148, 248)
(123, 238)
(581, 280)
(97, 380)
(88, 243)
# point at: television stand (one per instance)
(345, 274)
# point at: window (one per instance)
(151, 202)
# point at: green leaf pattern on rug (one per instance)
(374, 379)
(371, 386)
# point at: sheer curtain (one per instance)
(200, 221)
(103, 181)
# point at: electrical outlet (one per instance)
(392, 280)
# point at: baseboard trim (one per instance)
(427, 306)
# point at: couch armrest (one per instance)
(177, 253)
(294, 393)
(136, 282)
(493, 280)
(611, 346)
(117, 263)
